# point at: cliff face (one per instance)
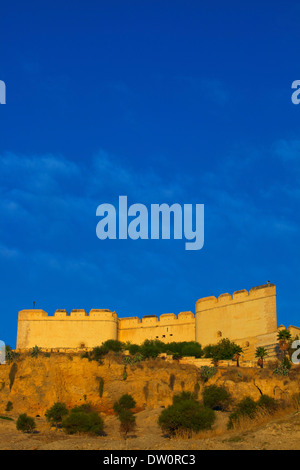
(35, 384)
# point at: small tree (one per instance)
(127, 422)
(237, 355)
(126, 402)
(56, 413)
(261, 353)
(25, 423)
(223, 350)
(123, 408)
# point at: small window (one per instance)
(171, 334)
(219, 334)
(163, 336)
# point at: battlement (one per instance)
(240, 315)
(243, 295)
(61, 314)
(244, 314)
(154, 320)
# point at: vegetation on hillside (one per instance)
(123, 408)
(186, 415)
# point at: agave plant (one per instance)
(35, 351)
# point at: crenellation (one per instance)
(243, 316)
(224, 298)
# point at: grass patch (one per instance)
(7, 418)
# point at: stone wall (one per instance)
(249, 318)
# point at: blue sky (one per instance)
(162, 101)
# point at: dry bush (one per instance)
(238, 374)
(296, 400)
(262, 416)
(264, 373)
(272, 365)
(294, 373)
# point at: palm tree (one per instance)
(237, 355)
(284, 337)
(261, 353)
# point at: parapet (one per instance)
(184, 316)
(61, 314)
(32, 314)
(150, 320)
(76, 314)
(207, 303)
(167, 318)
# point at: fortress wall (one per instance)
(167, 328)
(36, 327)
(242, 315)
(294, 330)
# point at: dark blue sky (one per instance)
(162, 101)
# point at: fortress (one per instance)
(248, 318)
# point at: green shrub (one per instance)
(192, 349)
(183, 396)
(137, 358)
(25, 423)
(268, 403)
(101, 386)
(223, 350)
(10, 354)
(123, 409)
(186, 415)
(12, 374)
(81, 421)
(112, 345)
(216, 398)
(85, 355)
(246, 407)
(286, 362)
(9, 406)
(127, 360)
(134, 349)
(126, 402)
(35, 351)
(6, 418)
(56, 413)
(176, 356)
(85, 407)
(152, 348)
(281, 370)
(207, 372)
(127, 422)
(98, 353)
